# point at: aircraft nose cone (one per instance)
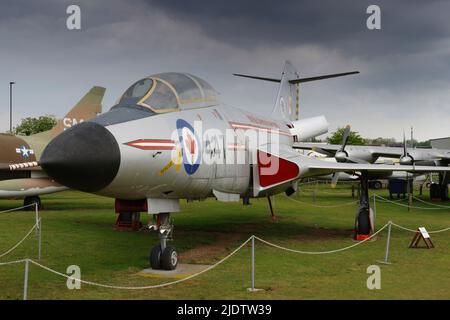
(85, 157)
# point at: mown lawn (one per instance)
(78, 229)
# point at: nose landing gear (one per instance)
(363, 223)
(162, 256)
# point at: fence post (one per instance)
(253, 289)
(374, 209)
(25, 281)
(36, 212)
(253, 263)
(40, 239)
(386, 256)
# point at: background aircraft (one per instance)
(32, 182)
(168, 138)
(370, 154)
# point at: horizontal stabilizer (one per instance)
(327, 76)
(299, 80)
(257, 78)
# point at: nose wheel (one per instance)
(163, 257)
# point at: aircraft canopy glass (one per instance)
(170, 91)
(159, 93)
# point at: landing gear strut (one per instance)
(272, 213)
(163, 256)
(363, 227)
(32, 200)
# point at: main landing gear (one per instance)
(28, 201)
(363, 225)
(162, 256)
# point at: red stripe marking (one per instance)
(239, 125)
(152, 144)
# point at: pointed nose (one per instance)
(85, 157)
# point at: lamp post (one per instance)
(10, 106)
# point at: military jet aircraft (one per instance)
(169, 138)
(32, 182)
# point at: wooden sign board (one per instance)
(421, 233)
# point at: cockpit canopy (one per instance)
(170, 91)
(159, 93)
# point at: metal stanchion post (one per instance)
(252, 289)
(25, 281)
(36, 212)
(253, 263)
(374, 209)
(40, 239)
(388, 240)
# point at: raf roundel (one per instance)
(191, 146)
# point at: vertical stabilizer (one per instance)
(287, 102)
(88, 107)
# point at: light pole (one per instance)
(10, 106)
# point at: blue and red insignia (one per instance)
(191, 146)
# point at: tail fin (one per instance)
(287, 103)
(88, 107)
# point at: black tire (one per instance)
(169, 258)
(30, 200)
(377, 185)
(155, 257)
(363, 221)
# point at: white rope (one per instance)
(12, 262)
(431, 204)
(305, 183)
(322, 252)
(20, 242)
(145, 287)
(325, 192)
(412, 230)
(18, 208)
(406, 206)
(380, 199)
(319, 206)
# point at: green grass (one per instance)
(78, 229)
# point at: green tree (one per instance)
(380, 141)
(353, 139)
(29, 126)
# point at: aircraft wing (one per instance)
(331, 149)
(286, 165)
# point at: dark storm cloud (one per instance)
(405, 67)
(410, 30)
(407, 25)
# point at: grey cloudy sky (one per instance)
(405, 67)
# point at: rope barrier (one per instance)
(20, 242)
(325, 192)
(431, 204)
(144, 287)
(18, 208)
(407, 206)
(383, 201)
(412, 230)
(12, 262)
(321, 252)
(319, 206)
(212, 266)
